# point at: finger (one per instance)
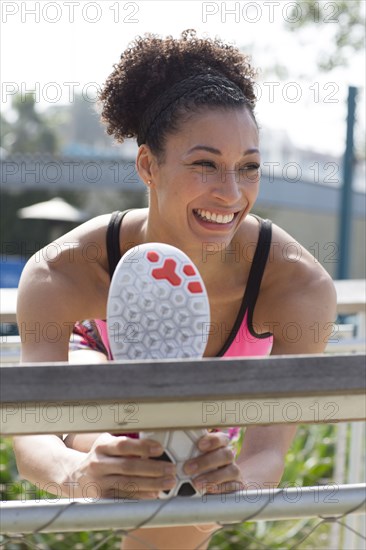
(225, 479)
(135, 486)
(210, 461)
(126, 446)
(140, 496)
(213, 441)
(100, 465)
(120, 488)
(145, 467)
(219, 488)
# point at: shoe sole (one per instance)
(157, 305)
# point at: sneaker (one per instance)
(158, 309)
(157, 305)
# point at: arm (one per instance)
(262, 457)
(43, 459)
(310, 300)
(60, 292)
(304, 297)
(84, 441)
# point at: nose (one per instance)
(227, 188)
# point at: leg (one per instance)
(85, 356)
(188, 537)
(83, 442)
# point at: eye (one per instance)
(250, 167)
(250, 170)
(207, 163)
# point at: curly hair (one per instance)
(150, 89)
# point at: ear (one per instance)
(146, 165)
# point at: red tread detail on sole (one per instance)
(188, 270)
(167, 272)
(152, 256)
(195, 288)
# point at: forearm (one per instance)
(262, 457)
(45, 461)
(81, 442)
(263, 469)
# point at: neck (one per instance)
(210, 258)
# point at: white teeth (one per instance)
(213, 217)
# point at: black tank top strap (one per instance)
(257, 270)
(253, 284)
(113, 246)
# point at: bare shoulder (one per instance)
(77, 257)
(65, 281)
(295, 271)
(297, 292)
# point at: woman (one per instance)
(189, 102)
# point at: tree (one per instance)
(30, 133)
(345, 18)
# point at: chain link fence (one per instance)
(309, 462)
(226, 536)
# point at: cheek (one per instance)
(252, 190)
(169, 199)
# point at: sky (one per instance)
(62, 47)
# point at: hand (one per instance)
(121, 467)
(215, 471)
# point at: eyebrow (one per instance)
(217, 151)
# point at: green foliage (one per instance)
(345, 18)
(5, 128)
(308, 462)
(30, 133)
(13, 488)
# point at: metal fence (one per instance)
(302, 386)
(305, 389)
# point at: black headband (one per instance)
(182, 88)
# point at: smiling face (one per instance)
(208, 181)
